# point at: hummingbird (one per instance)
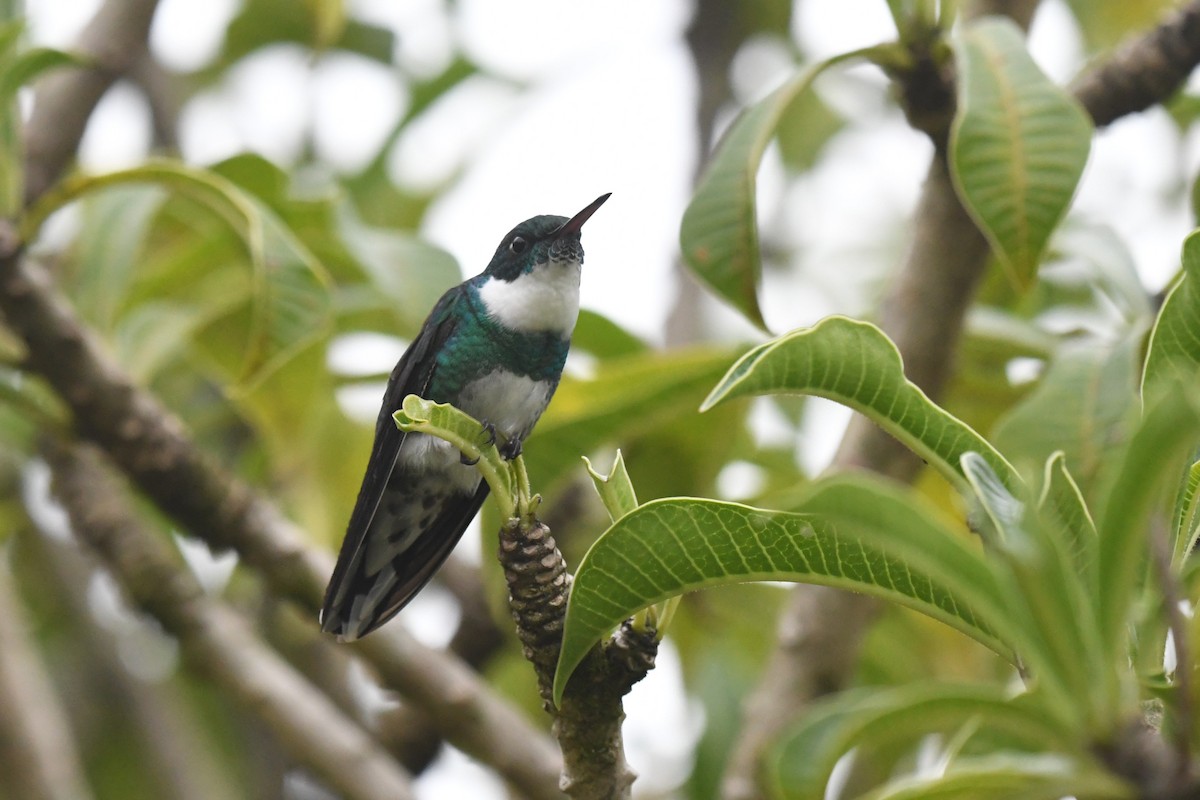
(493, 346)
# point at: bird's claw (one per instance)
(489, 431)
(487, 440)
(510, 449)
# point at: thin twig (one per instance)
(1145, 71)
(64, 99)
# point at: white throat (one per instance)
(546, 299)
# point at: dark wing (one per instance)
(411, 375)
(385, 592)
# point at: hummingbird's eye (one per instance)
(518, 245)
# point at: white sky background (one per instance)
(610, 109)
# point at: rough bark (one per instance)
(214, 640)
(588, 723)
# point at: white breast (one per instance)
(511, 402)
(544, 299)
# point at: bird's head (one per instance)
(541, 240)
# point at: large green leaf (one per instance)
(1061, 643)
(803, 761)
(318, 23)
(1018, 145)
(855, 364)
(1174, 350)
(1081, 406)
(1006, 776)
(719, 233)
(286, 294)
(1153, 459)
(854, 533)
(107, 252)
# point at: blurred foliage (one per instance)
(225, 287)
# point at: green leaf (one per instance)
(107, 252)
(601, 337)
(1081, 406)
(287, 291)
(154, 335)
(1061, 643)
(466, 433)
(719, 233)
(405, 272)
(30, 65)
(1062, 500)
(1153, 458)
(854, 533)
(1174, 349)
(615, 488)
(1021, 776)
(317, 23)
(855, 364)
(803, 761)
(1018, 145)
(807, 124)
(1187, 521)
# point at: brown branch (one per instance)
(63, 101)
(214, 640)
(165, 94)
(38, 757)
(404, 730)
(178, 762)
(478, 637)
(152, 448)
(942, 270)
(588, 723)
(1145, 71)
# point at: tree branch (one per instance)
(588, 723)
(214, 640)
(37, 752)
(178, 761)
(152, 448)
(64, 99)
(943, 268)
(1145, 71)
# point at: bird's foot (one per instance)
(487, 440)
(489, 430)
(510, 449)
